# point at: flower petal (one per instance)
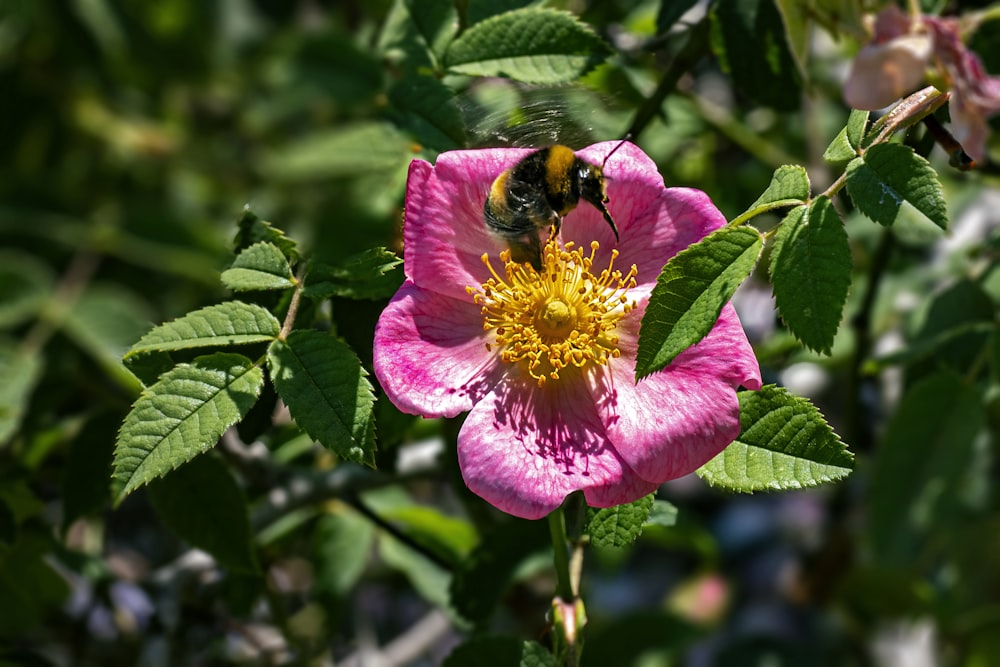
(430, 353)
(654, 223)
(524, 449)
(675, 420)
(445, 232)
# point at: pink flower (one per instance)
(895, 62)
(545, 366)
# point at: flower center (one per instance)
(563, 316)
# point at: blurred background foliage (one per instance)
(135, 133)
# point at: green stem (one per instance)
(560, 554)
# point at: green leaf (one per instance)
(618, 526)
(230, 323)
(182, 415)
(789, 186)
(532, 45)
(450, 538)
(662, 514)
(252, 229)
(416, 32)
(345, 151)
(890, 180)
(26, 284)
(670, 12)
(795, 16)
(372, 274)
(427, 107)
(342, 544)
(21, 370)
(495, 651)
(262, 266)
(480, 10)
(784, 443)
(201, 503)
(105, 321)
(811, 273)
(921, 466)
(327, 391)
(749, 39)
(481, 580)
(691, 292)
(845, 146)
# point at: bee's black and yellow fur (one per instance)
(538, 192)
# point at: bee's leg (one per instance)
(526, 249)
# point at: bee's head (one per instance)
(594, 189)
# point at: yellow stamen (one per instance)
(563, 316)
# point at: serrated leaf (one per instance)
(21, 370)
(327, 391)
(690, 293)
(416, 32)
(262, 266)
(428, 108)
(480, 581)
(252, 229)
(857, 123)
(811, 273)
(26, 284)
(890, 179)
(230, 323)
(343, 152)
(784, 443)
(840, 149)
(921, 466)
(495, 651)
(789, 186)
(182, 415)
(750, 40)
(372, 274)
(533, 45)
(201, 503)
(618, 526)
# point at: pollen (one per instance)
(564, 315)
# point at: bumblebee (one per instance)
(538, 192)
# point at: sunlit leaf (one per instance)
(691, 292)
(533, 45)
(618, 526)
(230, 323)
(890, 179)
(374, 274)
(327, 391)
(182, 415)
(789, 186)
(262, 266)
(811, 272)
(784, 443)
(252, 230)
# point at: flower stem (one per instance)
(560, 554)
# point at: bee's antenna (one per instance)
(619, 145)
